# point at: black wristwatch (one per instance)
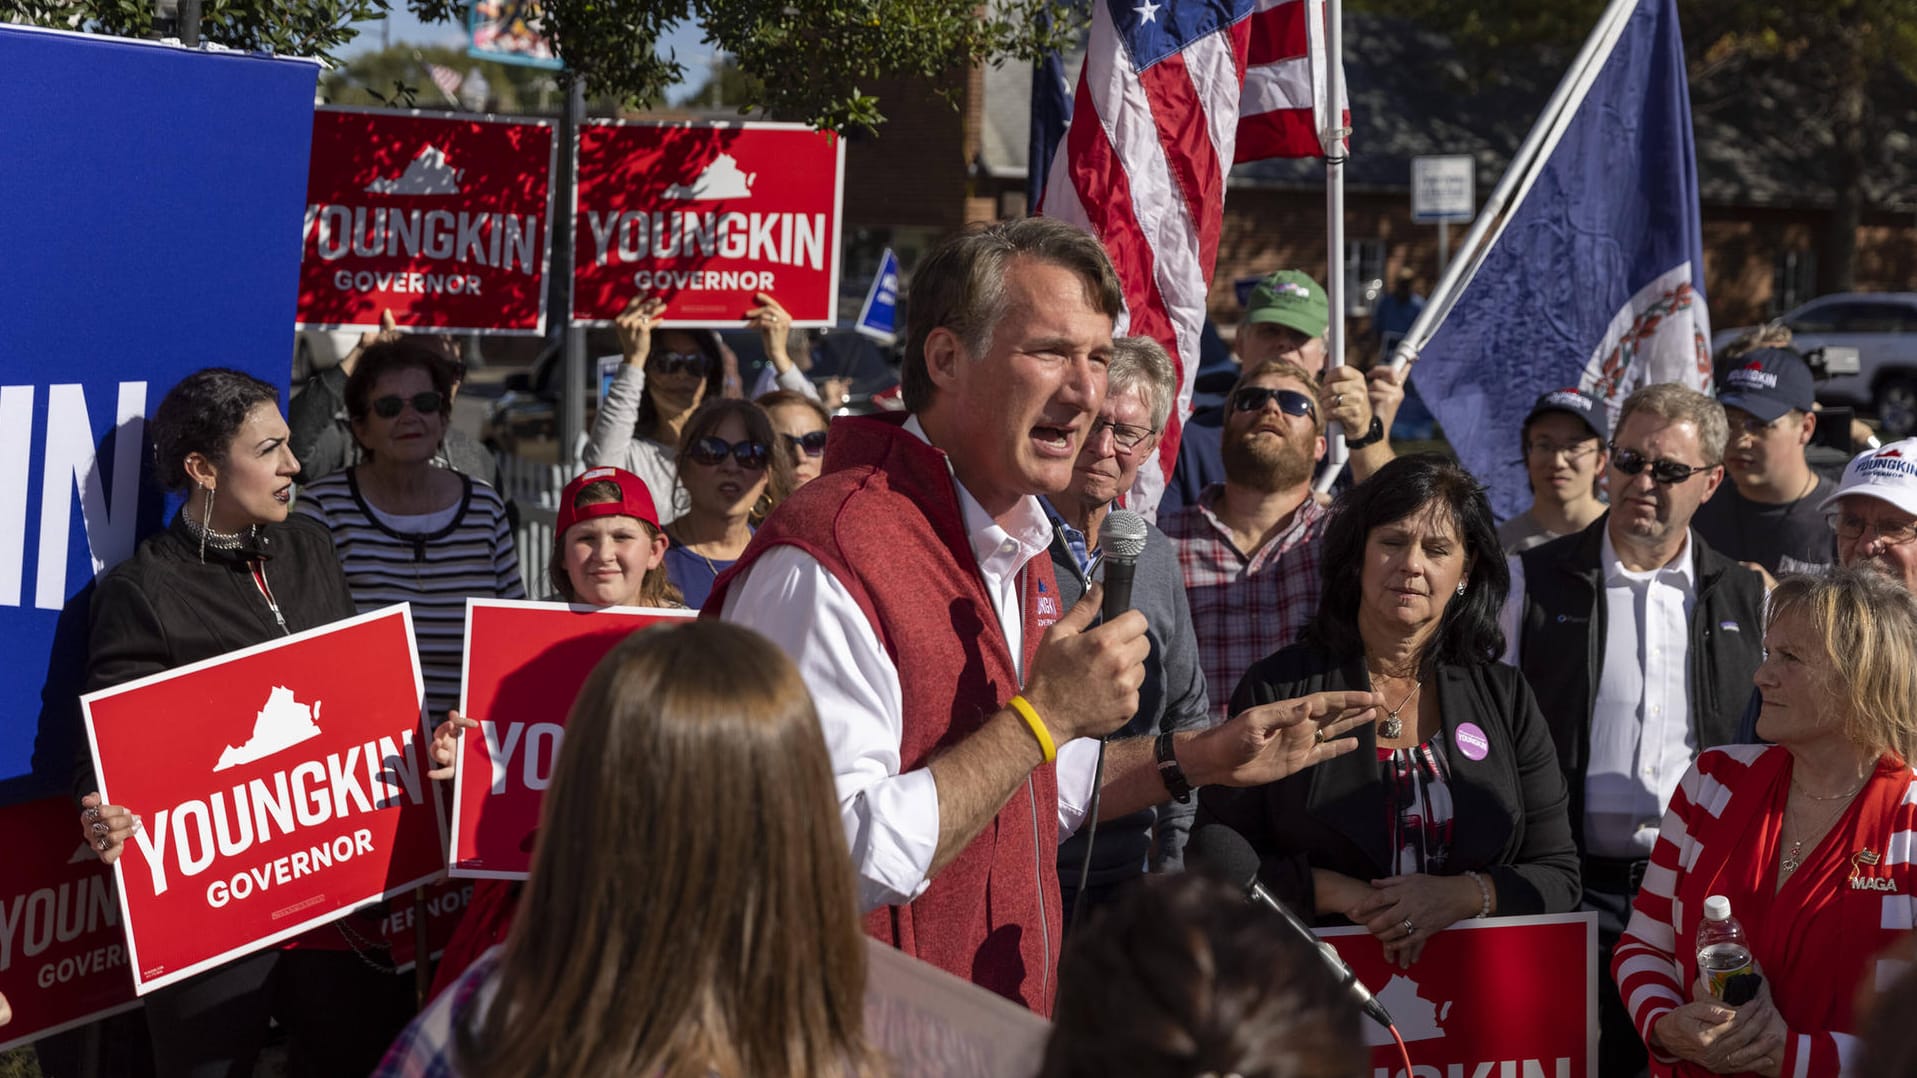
(1372, 436)
(1169, 770)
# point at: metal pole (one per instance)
(572, 364)
(1333, 140)
(1444, 245)
(190, 23)
(1557, 112)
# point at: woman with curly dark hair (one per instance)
(234, 570)
(1453, 806)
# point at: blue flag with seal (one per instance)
(1597, 277)
(879, 318)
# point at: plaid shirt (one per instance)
(425, 1047)
(1245, 608)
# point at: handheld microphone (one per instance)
(1121, 539)
(1220, 849)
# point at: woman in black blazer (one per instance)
(1453, 805)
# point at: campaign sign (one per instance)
(705, 215)
(280, 786)
(440, 218)
(1503, 995)
(525, 663)
(62, 957)
(441, 906)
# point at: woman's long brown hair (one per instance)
(691, 909)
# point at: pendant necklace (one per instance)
(1393, 726)
(1793, 859)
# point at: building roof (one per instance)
(1760, 140)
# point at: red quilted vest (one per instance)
(884, 518)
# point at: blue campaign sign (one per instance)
(154, 197)
(879, 318)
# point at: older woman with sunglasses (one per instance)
(405, 530)
(733, 471)
(666, 375)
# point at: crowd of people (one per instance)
(902, 714)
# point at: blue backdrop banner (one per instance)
(153, 198)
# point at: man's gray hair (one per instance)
(1677, 403)
(1141, 363)
(960, 286)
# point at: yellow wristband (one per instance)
(1030, 715)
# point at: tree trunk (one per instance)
(1837, 254)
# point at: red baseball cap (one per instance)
(634, 499)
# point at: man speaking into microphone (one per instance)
(960, 702)
(1139, 387)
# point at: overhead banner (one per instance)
(506, 31)
(705, 216)
(113, 203)
(63, 958)
(281, 786)
(1502, 995)
(441, 218)
(525, 663)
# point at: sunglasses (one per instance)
(681, 362)
(712, 449)
(811, 444)
(1667, 472)
(427, 403)
(1290, 401)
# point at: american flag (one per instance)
(1173, 93)
(447, 80)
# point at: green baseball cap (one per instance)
(1290, 298)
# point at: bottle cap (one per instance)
(1717, 908)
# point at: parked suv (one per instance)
(1882, 327)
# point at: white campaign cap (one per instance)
(1888, 474)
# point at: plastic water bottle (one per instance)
(1724, 953)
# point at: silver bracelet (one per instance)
(1484, 893)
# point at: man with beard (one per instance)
(1640, 642)
(1249, 547)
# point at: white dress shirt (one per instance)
(1641, 738)
(891, 817)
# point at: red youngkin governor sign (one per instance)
(1504, 996)
(442, 219)
(280, 787)
(62, 956)
(705, 215)
(525, 663)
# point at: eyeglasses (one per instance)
(681, 362)
(1667, 472)
(1850, 527)
(427, 403)
(1575, 453)
(811, 444)
(712, 449)
(1125, 435)
(1290, 401)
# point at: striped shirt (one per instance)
(436, 571)
(1815, 939)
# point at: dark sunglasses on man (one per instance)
(712, 449)
(1290, 401)
(681, 362)
(427, 403)
(1665, 472)
(812, 444)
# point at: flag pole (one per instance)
(1332, 139)
(1518, 176)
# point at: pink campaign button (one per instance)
(1471, 741)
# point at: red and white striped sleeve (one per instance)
(1647, 964)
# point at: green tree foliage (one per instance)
(288, 27)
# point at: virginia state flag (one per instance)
(1597, 278)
